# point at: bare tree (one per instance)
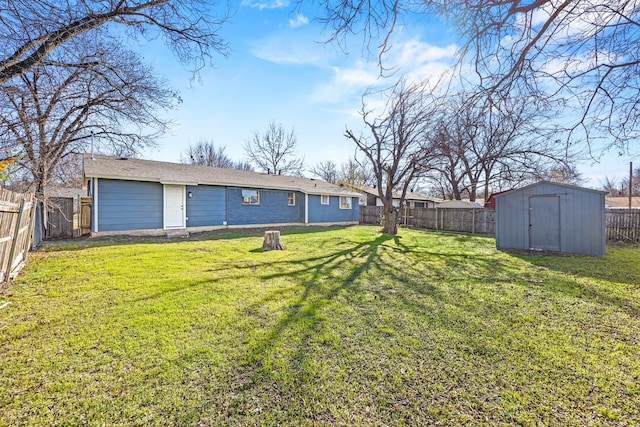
(575, 52)
(31, 30)
(243, 165)
(397, 146)
(565, 174)
(484, 141)
(356, 173)
(610, 185)
(274, 151)
(635, 186)
(207, 154)
(326, 171)
(50, 113)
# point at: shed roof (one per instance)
(109, 167)
(559, 184)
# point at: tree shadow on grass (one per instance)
(594, 278)
(321, 280)
(85, 242)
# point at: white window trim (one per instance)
(95, 204)
(306, 208)
(346, 198)
(322, 198)
(294, 198)
(250, 204)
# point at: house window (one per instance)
(250, 197)
(345, 202)
(291, 199)
(324, 200)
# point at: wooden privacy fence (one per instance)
(465, 220)
(59, 218)
(622, 225)
(17, 216)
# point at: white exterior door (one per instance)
(174, 202)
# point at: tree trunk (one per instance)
(473, 193)
(271, 241)
(390, 220)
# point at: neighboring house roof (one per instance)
(459, 204)
(108, 167)
(411, 195)
(65, 192)
(622, 202)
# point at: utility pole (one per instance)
(630, 183)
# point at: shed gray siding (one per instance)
(129, 205)
(319, 213)
(207, 205)
(581, 219)
(273, 208)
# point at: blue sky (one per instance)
(279, 69)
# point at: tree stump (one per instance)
(271, 241)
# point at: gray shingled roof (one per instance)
(411, 195)
(177, 173)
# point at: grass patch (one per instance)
(345, 327)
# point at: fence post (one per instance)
(473, 221)
(32, 228)
(16, 234)
(436, 218)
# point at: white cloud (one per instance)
(281, 51)
(412, 58)
(415, 53)
(299, 21)
(346, 83)
(265, 4)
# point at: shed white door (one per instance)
(544, 222)
(174, 206)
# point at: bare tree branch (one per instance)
(49, 113)
(32, 29)
(274, 151)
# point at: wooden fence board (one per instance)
(85, 216)
(477, 220)
(621, 225)
(59, 218)
(16, 230)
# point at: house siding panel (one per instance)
(207, 206)
(319, 213)
(129, 205)
(273, 208)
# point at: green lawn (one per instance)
(346, 326)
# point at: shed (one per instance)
(551, 216)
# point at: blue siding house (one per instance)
(133, 196)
